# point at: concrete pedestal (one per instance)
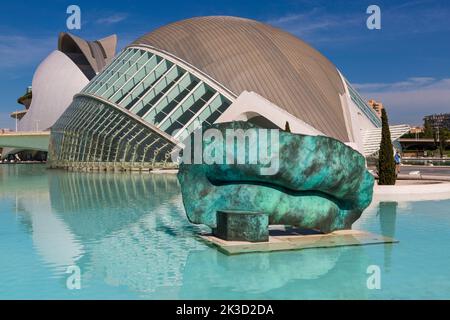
(298, 242)
(242, 226)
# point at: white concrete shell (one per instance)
(250, 105)
(55, 82)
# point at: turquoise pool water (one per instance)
(129, 237)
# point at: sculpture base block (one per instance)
(242, 226)
(306, 240)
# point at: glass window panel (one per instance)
(208, 115)
(130, 102)
(100, 75)
(98, 81)
(117, 74)
(109, 72)
(127, 74)
(186, 110)
(157, 91)
(163, 91)
(172, 99)
(135, 80)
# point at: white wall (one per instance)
(251, 104)
(55, 82)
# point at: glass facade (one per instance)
(134, 112)
(363, 106)
(94, 132)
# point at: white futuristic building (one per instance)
(57, 79)
(62, 75)
(206, 70)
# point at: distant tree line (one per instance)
(439, 135)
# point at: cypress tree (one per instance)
(436, 140)
(427, 129)
(386, 163)
(443, 137)
(287, 128)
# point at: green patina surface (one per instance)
(242, 226)
(321, 184)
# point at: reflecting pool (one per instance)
(129, 237)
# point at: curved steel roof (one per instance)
(244, 54)
(90, 56)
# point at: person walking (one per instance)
(398, 162)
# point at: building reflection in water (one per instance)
(119, 227)
(131, 230)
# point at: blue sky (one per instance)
(406, 64)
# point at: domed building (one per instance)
(205, 70)
(61, 75)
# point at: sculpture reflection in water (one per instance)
(304, 274)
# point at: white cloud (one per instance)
(410, 100)
(317, 24)
(408, 84)
(112, 19)
(20, 51)
(321, 26)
